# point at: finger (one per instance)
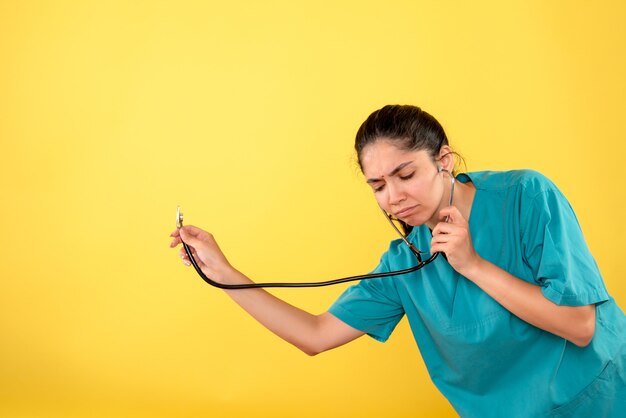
(446, 213)
(177, 240)
(176, 233)
(437, 248)
(442, 244)
(184, 257)
(444, 228)
(188, 237)
(193, 230)
(197, 233)
(439, 240)
(184, 254)
(451, 214)
(187, 261)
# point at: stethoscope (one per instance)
(420, 263)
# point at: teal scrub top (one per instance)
(485, 360)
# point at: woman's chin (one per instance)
(415, 220)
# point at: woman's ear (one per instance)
(445, 159)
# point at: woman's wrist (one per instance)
(229, 275)
(473, 269)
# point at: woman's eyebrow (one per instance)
(393, 172)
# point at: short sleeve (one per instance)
(555, 250)
(372, 306)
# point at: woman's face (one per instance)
(406, 184)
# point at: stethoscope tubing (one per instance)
(303, 284)
(416, 252)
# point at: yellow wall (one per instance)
(244, 113)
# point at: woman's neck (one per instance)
(464, 197)
(462, 200)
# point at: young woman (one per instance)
(514, 321)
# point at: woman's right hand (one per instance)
(204, 249)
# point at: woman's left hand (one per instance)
(454, 240)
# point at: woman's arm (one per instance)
(312, 334)
(525, 300)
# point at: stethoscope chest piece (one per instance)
(179, 218)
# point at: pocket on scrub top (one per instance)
(597, 399)
(471, 308)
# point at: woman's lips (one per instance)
(404, 212)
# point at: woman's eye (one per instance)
(408, 176)
(378, 188)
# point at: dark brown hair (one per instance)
(409, 127)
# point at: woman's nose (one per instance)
(395, 194)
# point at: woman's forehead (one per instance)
(381, 157)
